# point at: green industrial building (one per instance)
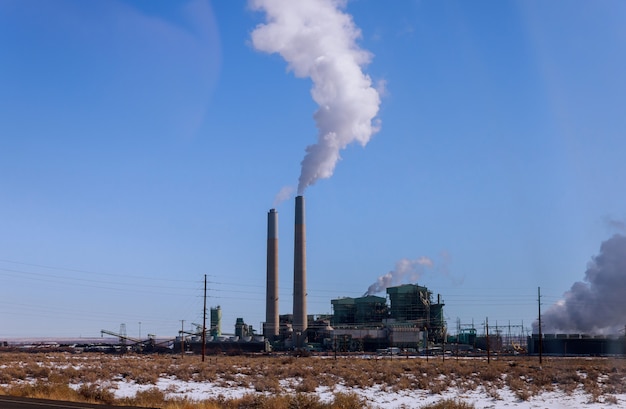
(410, 319)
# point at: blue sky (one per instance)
(143, 142)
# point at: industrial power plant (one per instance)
(409, 319)
(365, 323)
(412, 320)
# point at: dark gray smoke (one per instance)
(616, 225)
(597, 304)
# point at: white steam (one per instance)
(318, 40)
(284, 194)
(406, 270)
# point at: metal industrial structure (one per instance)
(359, 311)
(216, 321)
(243, 340)
(126, 343)
(576, 344)
(412, 320)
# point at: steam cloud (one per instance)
(405, 269)
(284, 194)
(596, 305)
(318, 40)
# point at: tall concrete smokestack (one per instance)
(270, 328)
(299, 275)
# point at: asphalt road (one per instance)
(11, 402)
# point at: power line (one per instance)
(91, 272)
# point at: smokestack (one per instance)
(299, 274)
(270, 329)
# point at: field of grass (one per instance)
(290, 382)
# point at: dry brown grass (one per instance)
(449, 404)
(49, 376)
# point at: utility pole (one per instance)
(426, 342)
(487, 336)
(443, 348)
(204, 322)
(182, 338)
(509, 344)
(540, 338)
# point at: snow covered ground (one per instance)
(234, 377)
(377, 397)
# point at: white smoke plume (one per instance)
(284, 194)
(596, 305)
(406, 270)
(318, 40)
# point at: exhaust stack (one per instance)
(270, 328)
(299, 275)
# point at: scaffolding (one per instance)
(413, 303)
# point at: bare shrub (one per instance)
(468, 384)
(519, 387)
(523, 394)
(152, 397)
(298, 401)
(254, 402)
(449, 404)
(38, 372)
(490, 374)
(43, 390)
(97, 394)
(357, 379)
(493, 392)
(304, 401)
(5, 378)
(617, 379)
(89, 377)
(543, 380)
(307, 385)
(349, 401)
(183, 372)
(403, 383)
(593, 388)
(437, 386)
(146, 378)
(568, 383)
(266, 384)
(206, 374)
(420, 381)
(12, 373)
